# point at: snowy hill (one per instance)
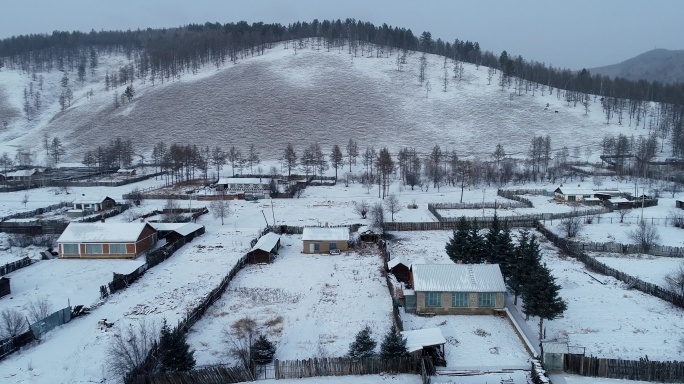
(663, 65)
(304, 97)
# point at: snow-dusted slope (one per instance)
(311, 96)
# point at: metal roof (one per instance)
(182, 229)
(326, 233)
(266, 242)
(458, 278)
(396, 261)
(91, 199)
(419, 338)
(101, 232)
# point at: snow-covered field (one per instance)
(310, 305)
(608, 319)
(652, 269)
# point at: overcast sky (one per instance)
(574, 34)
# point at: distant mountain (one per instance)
(663, 65)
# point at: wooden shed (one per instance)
(679, 204)
(265, 249)
(426, 342)
(173, 232)
(400, 268)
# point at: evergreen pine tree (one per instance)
(263, 350)
(457, 247)
(476, 252)
(363, 345)
(529, 264)
(393, 345)
(506, 258)
(174, 352)
(516, 281)
(542, 297)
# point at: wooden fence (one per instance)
(626, 249)
(141, 374)
(203, 375)
(13, 266)
(343, 366)
(37, 211)
(297, 230)
(112, 183)
(487, 204)
(643, 369)
(597, 266)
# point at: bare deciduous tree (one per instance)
(675, 280)
(172, 212)
(130, 345)
(13, 323)
(571, 225)
(240, 338)
(361, 208)
(220, 209)
(645, 235)
(38, 309)
(624, 211)
(377, 217)
(393, 205)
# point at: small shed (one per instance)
(265, 249)
(679, 204)
(325, 239)
(620, 203)
(426, 342)
(368, 235)
(553, 353)
(173, 232)
(572, 194)
(400, 268)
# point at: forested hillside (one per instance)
(268, 85)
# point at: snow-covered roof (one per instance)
(421, 260)
(420, 338)
(266, 242)
(396, 261)
(182, 229)
(618, 200)
(555, 347)
(124, 170)
(613, 192)
(458, 278)
(326, 233)
(101, 232)
(22, 173)
(244, 180)
(91, 199)
(574, 191)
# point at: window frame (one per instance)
(89, 248)
(486, 299)
(64, 249)
(317, 247)
(332, 246)
(463, 296)
(433, 299)
(111, 252)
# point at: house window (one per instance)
(571, 198)
(459, 299)
(70, 249)
(93, 248)
(486, 299)
(333, 246)
(117, 249)
(317, 246)
(433, 299)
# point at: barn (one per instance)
(458, 289)
(173, 232)
(86, 205)
(106, 240)
(325, 239)
(265, 249)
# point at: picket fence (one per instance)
(643, 369)
(343, 366)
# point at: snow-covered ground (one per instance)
(309, 305)
(478, 343)
(652, 269)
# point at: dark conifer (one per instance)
(174, 352)
(393, 345)
(363, 345)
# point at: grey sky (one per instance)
(573, 34)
